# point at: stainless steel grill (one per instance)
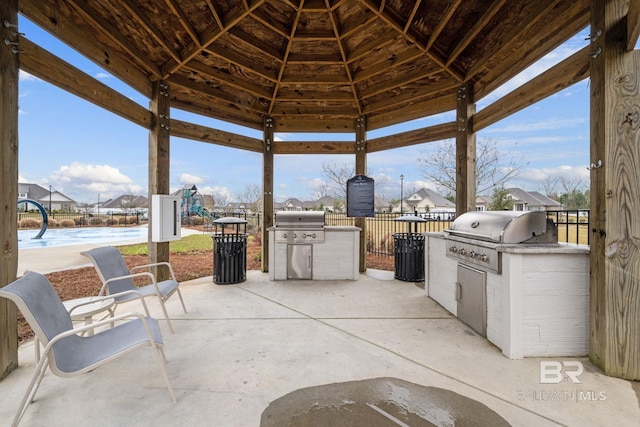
(299, 227)
(474, 237)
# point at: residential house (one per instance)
(50, 200)
(522, 201)
(423, 201)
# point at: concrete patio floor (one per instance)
(242, 346)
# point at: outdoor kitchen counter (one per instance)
(537, 306)
(336, 258)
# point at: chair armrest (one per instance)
(111, 297)
(146, 273)
(173, 276)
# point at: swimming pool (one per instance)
(81, 235)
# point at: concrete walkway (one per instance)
(240, 347)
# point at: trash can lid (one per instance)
(410, 218)
(230, 220)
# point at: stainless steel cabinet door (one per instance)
(471, 294)
(299, 261)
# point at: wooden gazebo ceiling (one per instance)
(312, 65)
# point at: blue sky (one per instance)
(82, 150)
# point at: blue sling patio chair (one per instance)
(68, 352)
(116, 277)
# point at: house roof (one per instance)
(532, 198)
(312, 65)
(38, 193)
(434, 197)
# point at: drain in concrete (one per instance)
(377, 402)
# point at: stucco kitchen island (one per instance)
(536, 306)
(336, 257)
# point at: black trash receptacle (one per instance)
(229, 252)
(409, 251)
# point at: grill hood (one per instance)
(505, 227)
(300, 219)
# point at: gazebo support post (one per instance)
(159, 138)
(465, 151)
(267, 189)
(615, 194)
(9, 68)
(361, 169)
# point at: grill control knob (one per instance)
(453, 249)
(484, 258)
(284, 235)
(462, 252)
(472, 254)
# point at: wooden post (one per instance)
(267, 190)
(159, 137)
(9, 67)
(615, 194)
(465, 151)
(361, 169)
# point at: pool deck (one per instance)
(240, 347)
(49, 259)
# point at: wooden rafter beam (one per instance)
(243, 62)
(444, 20)
(539, 9)
(141, 18)
(48, 67)
(383, 66)
(412, 15)
(406, 79)
(633, 24)
(399, 28)
(313, 147)
(475, 30)
(209, 36)
(566, 73)
(343, 54)
(215, 74)
(426, 92)
(285, 56)
(88, 13)
(60, 26)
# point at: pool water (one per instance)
(78, 236)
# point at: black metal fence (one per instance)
(33, 219)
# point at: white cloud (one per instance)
(83, 182)
(103, 76)
(188, 179)
(23, 76)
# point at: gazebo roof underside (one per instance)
(314, 65)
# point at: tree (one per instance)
(336, 176)
(500, 201)
(249, 196)
(493, 167)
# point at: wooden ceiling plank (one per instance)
(406, 79)
(142, 19)
(90, 15)
(426, 92)
(201, 133)
(225, 78)
(285, 56)
(223, 112)
(335, 96)
(383, 66)
(211, 92)
(633, 24)
(65, 30)
(343, 53)
(418, 110)
(252, 41)
(209, 36)
(444, 21)
(418, 136)
(242, 62)
(475, 30)
(184, 21)
(539, 9)
(215, 14)
(412, 15)
(46, 66)
(375, 42)
(435, 58)
(565, 74)
(270, 23)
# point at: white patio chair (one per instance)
(116, 277)
(67, 352)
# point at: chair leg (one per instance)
(166, 315)
(30, 394)
(181, 300)
(160, 356)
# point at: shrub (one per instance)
(96, 221)
(30, 223)
(66, 223)
(130, 219)
(53, 223)
(113, 220)
(81, 220)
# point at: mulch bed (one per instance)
(82, 282)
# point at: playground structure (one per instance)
(202, 211)
(43, 212)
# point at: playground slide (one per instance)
(45, 218)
